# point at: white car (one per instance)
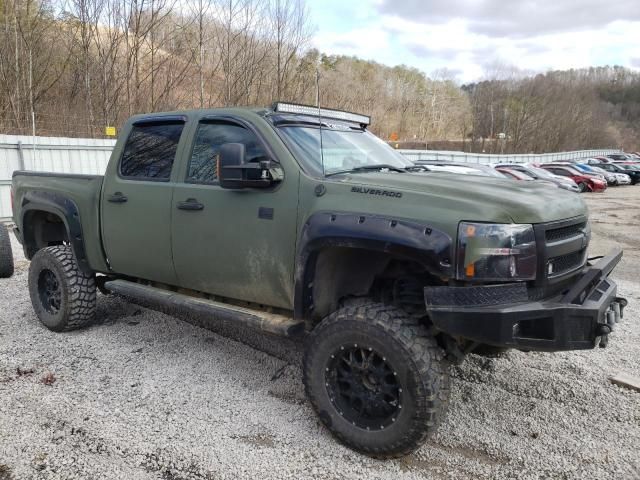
(623, 179)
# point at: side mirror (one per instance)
(235, 173)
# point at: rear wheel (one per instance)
(63, 297)
(6, 254)
(583, 187)
(376, 379)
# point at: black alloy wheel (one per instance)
(363, 387)
(49, 291)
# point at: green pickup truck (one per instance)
(297, 221)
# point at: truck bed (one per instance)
(77, 194)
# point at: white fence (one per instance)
(86, 155)
(486, 158)
(48, 154)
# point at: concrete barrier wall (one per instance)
(486, 158)
(48, 154)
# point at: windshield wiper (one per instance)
(365, 168)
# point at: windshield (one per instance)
(342, 150)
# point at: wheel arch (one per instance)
(50, 218)
(342, 253)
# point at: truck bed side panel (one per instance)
(82, 190)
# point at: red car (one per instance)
(518, 175)
(586, 183)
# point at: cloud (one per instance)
(446, 54)
(471, 37)
(514, 18)
(363, 42)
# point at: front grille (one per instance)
(565, 263)
(562, 252)
(561, 233)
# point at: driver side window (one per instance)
(209, 138)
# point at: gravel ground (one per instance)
(144, 395)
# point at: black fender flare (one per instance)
(67, 210)
(416, 241)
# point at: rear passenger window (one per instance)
(209, 138)
(150, 151)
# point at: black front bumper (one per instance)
(502, 315)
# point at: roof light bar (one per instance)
(323, 112)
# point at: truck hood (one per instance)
(480, 198)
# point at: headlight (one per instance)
(496, 252)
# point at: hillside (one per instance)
(75, 70)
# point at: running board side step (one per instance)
(256, 319)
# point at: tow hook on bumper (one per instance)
(607, 324)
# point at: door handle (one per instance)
(117, 197)
(190, 204)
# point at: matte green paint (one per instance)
(86, 195)
(227, 250)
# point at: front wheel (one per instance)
(582, 187)
(376, 379)
(63, 297)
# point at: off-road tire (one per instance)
(76, 304)
(416, 359)
(6, 254)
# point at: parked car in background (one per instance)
(595, 160)
(458, 167)
(514, 174)
(521, 176)
(618, 156)
(630, 167)
(634, 175)
(541, 174)
(594, 170)
(584, 169)
(585, 182)
(604, 159)
(618, 178)
(623, 179)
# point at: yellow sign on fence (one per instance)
(110, 131)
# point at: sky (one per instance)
(472, 39)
